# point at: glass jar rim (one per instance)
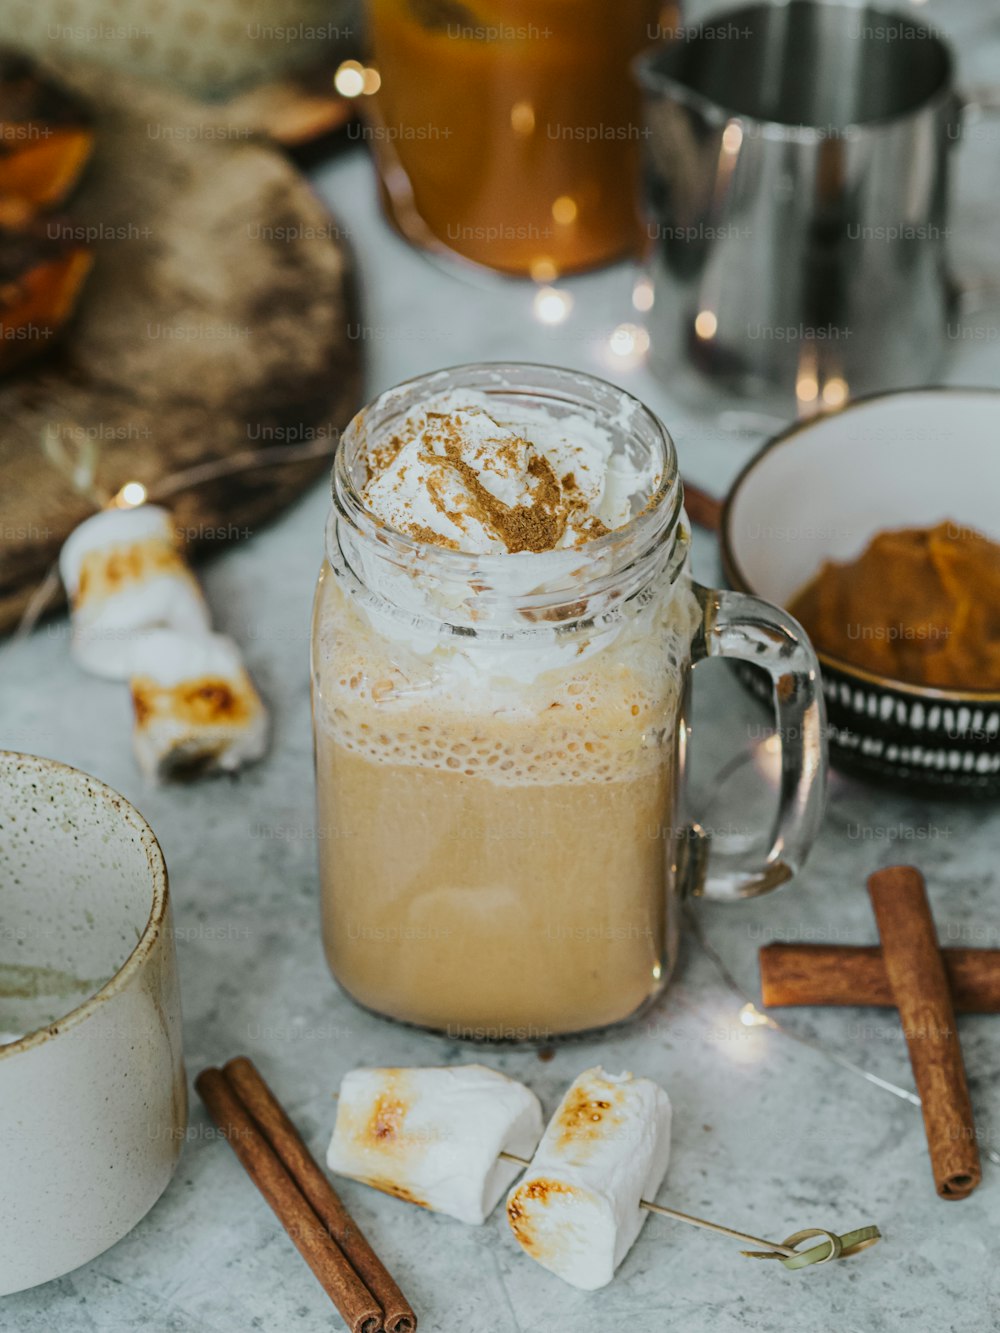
(658, 516)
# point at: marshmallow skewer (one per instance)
(833, 1247)
(582, 1201)
(451, 1139)
(138, 614)
(768, 1245)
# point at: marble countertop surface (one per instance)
(771, 1134)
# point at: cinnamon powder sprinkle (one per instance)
(384, 456)
(540, 525)
(425, 534)
(537, 526)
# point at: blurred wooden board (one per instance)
(215, 321)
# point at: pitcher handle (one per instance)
(748, 629)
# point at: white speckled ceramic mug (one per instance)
(93, 1099)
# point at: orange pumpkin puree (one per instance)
(921, 605)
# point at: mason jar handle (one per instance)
(747, 629)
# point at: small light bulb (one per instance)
(349, 79)
(642, 295)
(751, 1017)
(552, 306)
(522, 119)
(131, 495)
(705, 324)
(544, 270)
(629, 340)
(564, 210)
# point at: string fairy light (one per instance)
(131, 495)
(551, 306)
(705, 324)
(352, 79)
(643, 295)
(81, 473)
(628, 345)
(751, 1016)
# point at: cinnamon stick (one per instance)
(919, 984)
(836, 974)
(703, 509)
(360, 1311)
(288, 1144)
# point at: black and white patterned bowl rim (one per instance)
(937, 741)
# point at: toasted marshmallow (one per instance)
(576, 1211)
(124, 575)
(196, 708)
(434, 1136)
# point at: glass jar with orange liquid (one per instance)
(508, 131)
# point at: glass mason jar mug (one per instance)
(500, 741)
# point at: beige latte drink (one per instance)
(500, 640)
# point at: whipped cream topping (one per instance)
(461, 473)
(412, 602)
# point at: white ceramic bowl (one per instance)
(93, 1099)
(820, 491)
